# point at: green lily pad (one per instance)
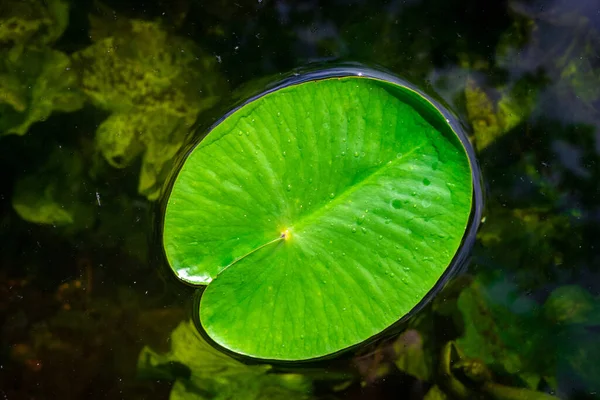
(318, 214)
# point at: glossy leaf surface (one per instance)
(318, 214)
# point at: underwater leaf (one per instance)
(524, 240)
(319, 214)
(32, 22)
(118, 138)
(490, 120)
(202, 372)
(32, 86)
(411, 356)
(41, 207)
(513, 40)
(581, 73)
(49, 195)
(462, 377)
(575, 315)
(580, 351)
(157, 135)
(572, 304)
(435, 393)
(505, 332)
(154, 84)
(483, 118)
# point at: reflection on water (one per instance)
(97, 98)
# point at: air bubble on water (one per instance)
(399, 155)
(331, 195)
(343, 153)
(356, 154)
(360, 219)
(284, 153)
(406, 269)
(240, 133)
(380, 237)
(289, 188)
(353, 230)
(364, 230)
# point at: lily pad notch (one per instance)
(321, 212)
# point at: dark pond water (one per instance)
(98, 101)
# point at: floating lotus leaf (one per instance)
(318, 214)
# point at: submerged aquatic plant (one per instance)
(35, 80)
(154, 84)
(318, 215)
(202, 372)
